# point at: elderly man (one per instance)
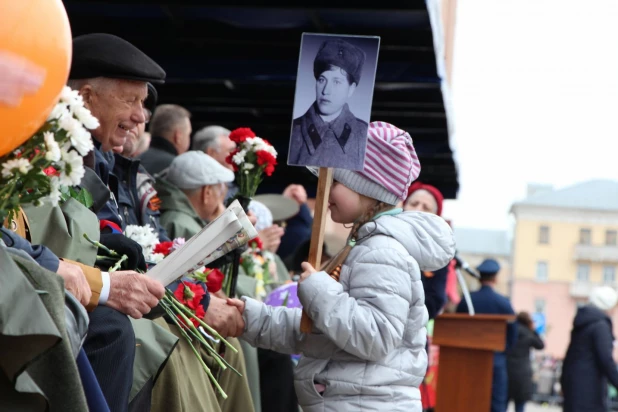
(111, 75)
(215, 142)
(202, 183)
(170, 128)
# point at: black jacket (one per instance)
(589, 364)
(518, 364)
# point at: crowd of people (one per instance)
(368, 304)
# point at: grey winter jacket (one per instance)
(368, 343)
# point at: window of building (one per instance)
(539, 305)
(544, 235)
(584, 236)
(609, 274)
(583, 272)
(610, 238)
(541, 271)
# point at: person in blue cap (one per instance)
(489, 302)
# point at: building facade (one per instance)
(565, 244)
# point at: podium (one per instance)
(467, 345)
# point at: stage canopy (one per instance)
(233, 63)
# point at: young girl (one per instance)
(367, 348)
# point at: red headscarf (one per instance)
(431, 189)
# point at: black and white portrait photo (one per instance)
(332, 104)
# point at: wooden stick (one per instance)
(325, 179)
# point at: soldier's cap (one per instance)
(489, 267)
(195, 169)
(106, 55)
(342, 54)
(151, 101)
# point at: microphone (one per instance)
(462, 264)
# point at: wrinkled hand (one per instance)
(224, 318)
(238, 304)
(297, 193)
(133, 294)
(18, 77)
(271, 237)
(308, 270)
(75, 281)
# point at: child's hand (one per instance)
(308, 271)
(239, 304)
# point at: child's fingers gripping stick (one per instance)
(308, 270)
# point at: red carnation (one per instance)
(164, 248)
(229, 160)
(241, 134)
(214, 280)
(50, 171)
(256, 243)
(265, 158)
(189, 294)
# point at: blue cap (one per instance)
(489, 267)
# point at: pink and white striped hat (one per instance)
(391, 165)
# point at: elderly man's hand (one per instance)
(133, 294)
(296, 192)
(271, 237)
(75, 281)
(224, 318)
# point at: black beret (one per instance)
(151, 101)
(106, 55)
(342, 54)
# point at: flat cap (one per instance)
(281, 207)
(488, 267)
(195, 169)
(106, 55)
(342, 54)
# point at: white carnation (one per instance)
(156, 257)
(145, 237)
(84, 116)
(58, 111)
(22, 166)
(54, 192)
(53, 149)
(72, 168)
(249, 166)
(81, 140)
(239, 157)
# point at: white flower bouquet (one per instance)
(44, 167)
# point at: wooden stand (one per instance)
(467, 345)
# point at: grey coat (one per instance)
(368, 344)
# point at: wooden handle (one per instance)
(325, 179)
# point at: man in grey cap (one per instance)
(328, 134)
(201, 181)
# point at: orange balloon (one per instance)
(33, 33)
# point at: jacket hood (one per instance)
(587, 315)
(426, 237)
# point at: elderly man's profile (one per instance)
(329, 134)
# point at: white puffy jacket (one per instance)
(368, 344)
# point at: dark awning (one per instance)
(234, 64)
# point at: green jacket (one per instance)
(177, 214)
(37, 364)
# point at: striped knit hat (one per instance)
(391, 165)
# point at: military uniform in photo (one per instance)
(340, 142)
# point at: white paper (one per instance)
(227, 232)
